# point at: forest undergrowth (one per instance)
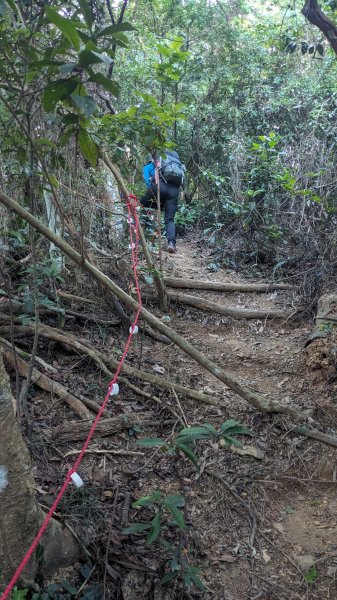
(182, 497)
(212, 472)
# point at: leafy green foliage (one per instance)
(185, 440)
(177, 564)
(19, 594)
(311, 576)
(171, 504)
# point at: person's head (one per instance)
(148, 159)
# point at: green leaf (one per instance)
(155, 529)
(191, 431)
(70, 119)
(238, 430)
(136, 528)
(66, 26)
(88, 57)
(198, 583)
(112, 29)
(88, 147)
(110, 86)
(311, 575)
(56, 92)
(227, 424)
(230, 440)
(19, 594)
(178, 515)
(169, 577)
(148, 500)
(68, 588)
(86, 12)
(11, 4)
(189, 453)
(22, 154)
(85, 103)
(150, 442)
(174, 500)
(103, 57)
(65, 137)
(67, 68)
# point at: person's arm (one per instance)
(148, 172)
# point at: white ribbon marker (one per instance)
(76, 479)
(132, 246)
(114, 390)
(133, 329)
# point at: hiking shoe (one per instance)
(171, 248)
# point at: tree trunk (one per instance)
(313, 13)
(54, 253)
(20, 515)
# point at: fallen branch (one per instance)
(19, 308)
(315, 434)
(47, 384)
(195, 284)
(235, 313)
(102, 360)
(74, 432)
(255, 399)
(73, 298)
(109, 452)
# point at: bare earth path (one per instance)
(288, 482)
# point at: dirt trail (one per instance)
(297, 521)
(297, 518)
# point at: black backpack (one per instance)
(171, 170)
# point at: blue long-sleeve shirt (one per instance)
(148, 173)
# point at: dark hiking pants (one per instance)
(168, 201)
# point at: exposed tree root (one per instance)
(235, 313)
(72, 432)
(195, 284)
(47, 384)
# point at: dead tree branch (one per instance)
(195, 284)
(45, 383)
(235, 313)
(260, 402)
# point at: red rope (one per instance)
(134, 242)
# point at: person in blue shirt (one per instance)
(169, 194)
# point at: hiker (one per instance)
(171, 177)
